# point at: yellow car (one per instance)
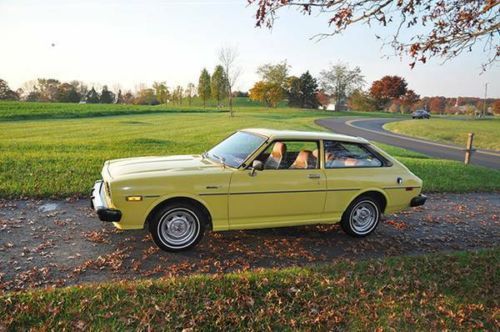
(256, 178)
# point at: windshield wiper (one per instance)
(222, 160)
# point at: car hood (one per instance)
(146, 165)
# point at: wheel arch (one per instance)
(180, 199)
(378, 195)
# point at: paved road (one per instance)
(372, 129)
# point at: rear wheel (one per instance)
(177, 227)
(361, 217)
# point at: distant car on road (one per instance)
(421, 114)
(256, 178)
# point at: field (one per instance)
(436, 292)
(487, 132)
(60, 154)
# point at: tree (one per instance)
(496, 107)
(302, 91)
(128, 98)
(66, 93)
(6, 93)
(387, 89)
(218, 84)
(241, 94)
(340, 81)
(227, 58)
(119, 98)
(408, 100)
(161, 91)
(269, 93)
(34, 96)
(189, 92)
(437, 105)
(107, 97)
(276, 74)
(48, 89)
(204, 89)
(422, 29)
(92, 97)
(146, 97)
(361, 101)
(80, 87)
(177, 95)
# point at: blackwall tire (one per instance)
(177, 227)
(361, 217)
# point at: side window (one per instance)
(291, 155)
(342, 154)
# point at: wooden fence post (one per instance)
(468, 148)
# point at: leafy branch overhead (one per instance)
(421, 29)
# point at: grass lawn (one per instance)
(487, 132)
(63, 157)
(436, 292)
(12, 111)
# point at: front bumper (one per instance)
(98, 203)
(418, 200)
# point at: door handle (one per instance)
(314, 176)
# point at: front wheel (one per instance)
(177, 227)
(361, 217)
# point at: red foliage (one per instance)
(387, 88)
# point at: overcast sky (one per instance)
(132, 42)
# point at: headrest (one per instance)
(279, 149)
(302, 159)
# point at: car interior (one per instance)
(305, 155)
(291, 155)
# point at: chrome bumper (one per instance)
(98, 203)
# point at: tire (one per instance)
(177, 227)
(361, 217)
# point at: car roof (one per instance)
(306, 135)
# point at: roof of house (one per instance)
(306, 135)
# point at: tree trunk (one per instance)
(230, 103)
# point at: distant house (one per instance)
(336, 107)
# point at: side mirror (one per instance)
(257, 165)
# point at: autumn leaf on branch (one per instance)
(421, 29)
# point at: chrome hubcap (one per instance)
(179, 227)
(364, 217)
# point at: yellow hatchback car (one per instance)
(256, 178)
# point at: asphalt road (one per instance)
(372, 129)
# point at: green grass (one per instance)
(487, 132)
(12, 111)
(63, 157)
(436, 292)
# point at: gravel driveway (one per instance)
(57, 243)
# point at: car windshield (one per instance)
(235, 149)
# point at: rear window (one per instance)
(343, 154)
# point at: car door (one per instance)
(285, 193)
(349, 168)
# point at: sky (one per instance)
(132, 42)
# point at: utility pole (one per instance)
(485, 94)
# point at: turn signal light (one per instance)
(134, 198)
